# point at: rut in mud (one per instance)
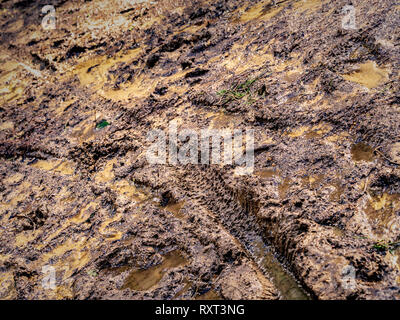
(319, 217)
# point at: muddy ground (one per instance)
(319, 218)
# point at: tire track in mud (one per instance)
(235, 212)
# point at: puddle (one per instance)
(129, 190)
(368, 75)
(339, 190)
(310, 132)
(298, 132)
(362, 152)
(85, 131)
(96, 73)
(24, 237)
(107, 174)
(266, 173)
(319, 182)
(318, 131)
(222, 120)
(7, 286)
(110, 234)
(84, 213)
(175, 209)
(8, 125)
(15, 178)
(263, 10)
(65, 168)
(338, 232)
(292, 76)
(284, 187)
(336, 137)
(124, 188)
(307, 5)
(187, 286)
(72, 255)
(283, 281)
(142, 280)
(57, 166)
(239, 61)
(11, 87)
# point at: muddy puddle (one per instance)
(288, 287)
(368, 75)
(142, 280)
(263, 10)
(11, 84)
(175, 208)
(362, 152)
(266, 173)
(310, 132)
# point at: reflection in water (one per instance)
(283, 281)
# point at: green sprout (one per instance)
(237, 92)
(382, 245)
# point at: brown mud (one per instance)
(78, 194)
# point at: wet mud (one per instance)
(78, 194)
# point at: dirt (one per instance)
(78, 194)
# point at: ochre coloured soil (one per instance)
(318, 219)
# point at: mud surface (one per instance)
(78, 194)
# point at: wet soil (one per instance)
(78, 194)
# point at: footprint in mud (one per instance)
(142, 280)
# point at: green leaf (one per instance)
(102, 124)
